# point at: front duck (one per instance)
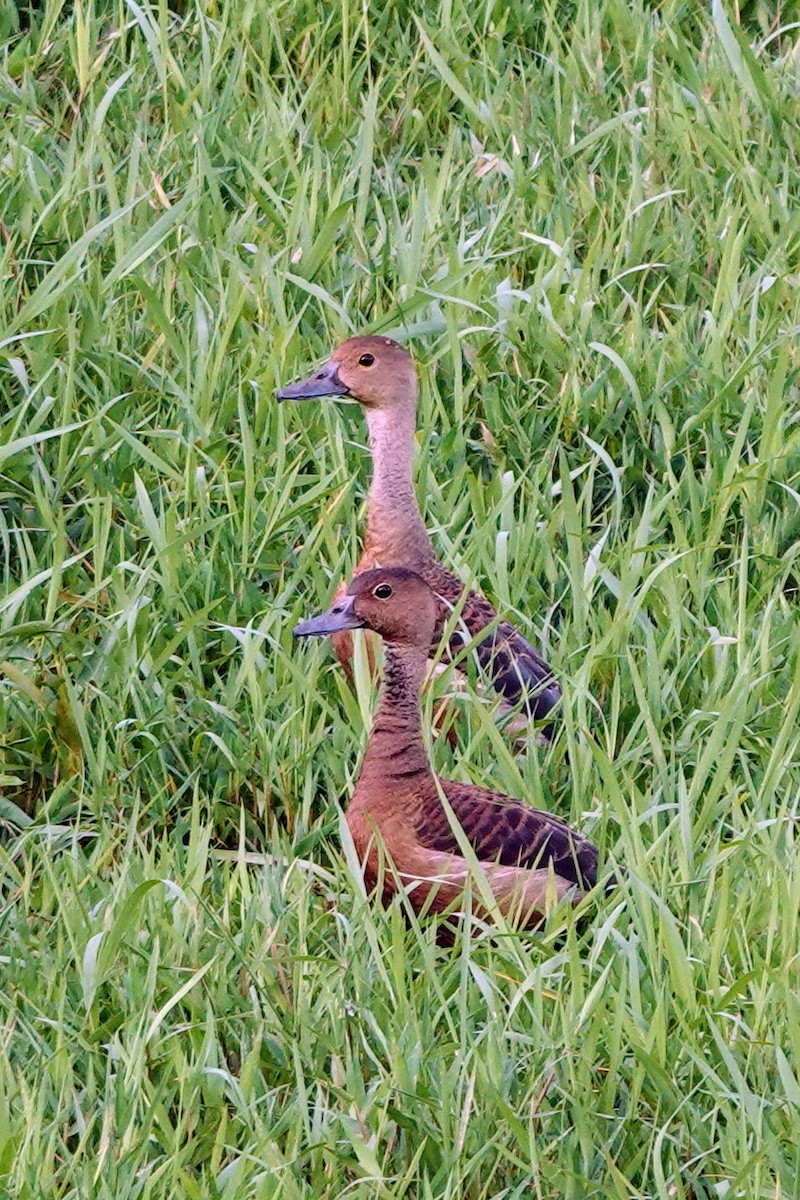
(528, 857)
(380, 374)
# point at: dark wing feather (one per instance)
(508, 832)
(517, 671)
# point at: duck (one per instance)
(401, 830)
(380, 375)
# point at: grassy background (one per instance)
(585, 218)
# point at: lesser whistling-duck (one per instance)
(527, 856)
(380, 374)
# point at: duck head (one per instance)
(393, 601)
(376, 371)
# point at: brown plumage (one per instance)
(380, 375)
(526, 855)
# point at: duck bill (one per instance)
(338, 618)
(325, 382)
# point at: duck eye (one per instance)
(382, 591)
(366, 360)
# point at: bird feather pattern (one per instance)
(509, 832)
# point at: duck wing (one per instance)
(517, 671)
(509, 832)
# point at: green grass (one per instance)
(585, 218)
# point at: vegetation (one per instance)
(584, 217)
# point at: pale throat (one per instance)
(394, 515)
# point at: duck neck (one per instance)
(396, 750)
(394, 523)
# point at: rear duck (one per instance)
(380, 374)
